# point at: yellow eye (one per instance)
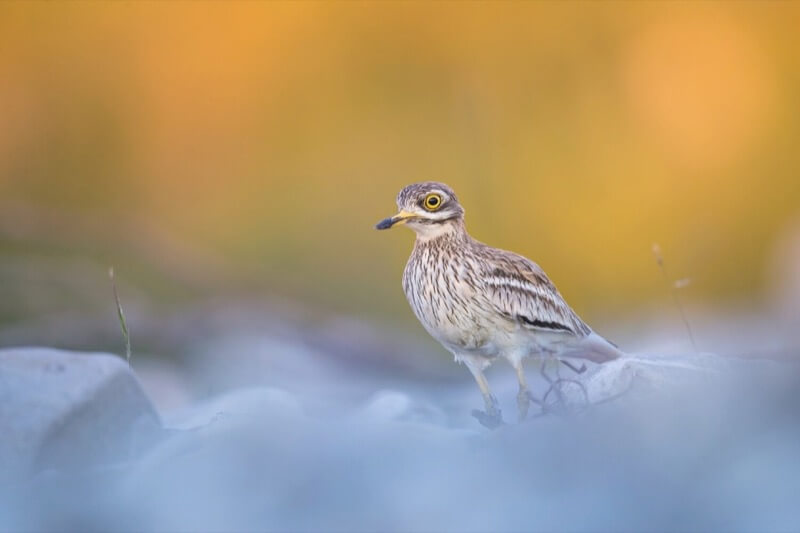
(433, 202)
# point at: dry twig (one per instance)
(121, 316)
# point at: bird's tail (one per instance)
(595, 348)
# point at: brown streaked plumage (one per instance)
(481, 302)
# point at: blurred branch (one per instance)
(674, 287)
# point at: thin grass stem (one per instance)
(121, 316)
(674, 287)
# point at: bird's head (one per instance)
(429, 208)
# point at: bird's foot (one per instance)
(491, 418)
(536, 401)
(488, 420)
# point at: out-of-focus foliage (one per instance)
(261, 141)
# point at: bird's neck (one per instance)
(451, 231)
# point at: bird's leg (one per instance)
(491, 417)
(524, 396)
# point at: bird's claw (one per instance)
(533, 398)
(491, 420)
(524, 399)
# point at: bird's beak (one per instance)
(400, 218)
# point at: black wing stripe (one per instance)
(544, 324)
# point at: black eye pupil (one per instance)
(433, 201)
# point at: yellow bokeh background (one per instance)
(260, 142)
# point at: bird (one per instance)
(483, 303)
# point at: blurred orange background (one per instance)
(249, 148)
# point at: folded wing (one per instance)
(520, 290)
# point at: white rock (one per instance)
(635, 374)
(62, 410)
(391, 405)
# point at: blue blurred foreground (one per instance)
(674, 442)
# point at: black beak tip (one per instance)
(386, 223)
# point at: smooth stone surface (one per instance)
(650, 372)
(65, 410)
(670, 443)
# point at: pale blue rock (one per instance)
(67, 410)
(651, 443)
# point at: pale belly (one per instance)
(453, 312)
